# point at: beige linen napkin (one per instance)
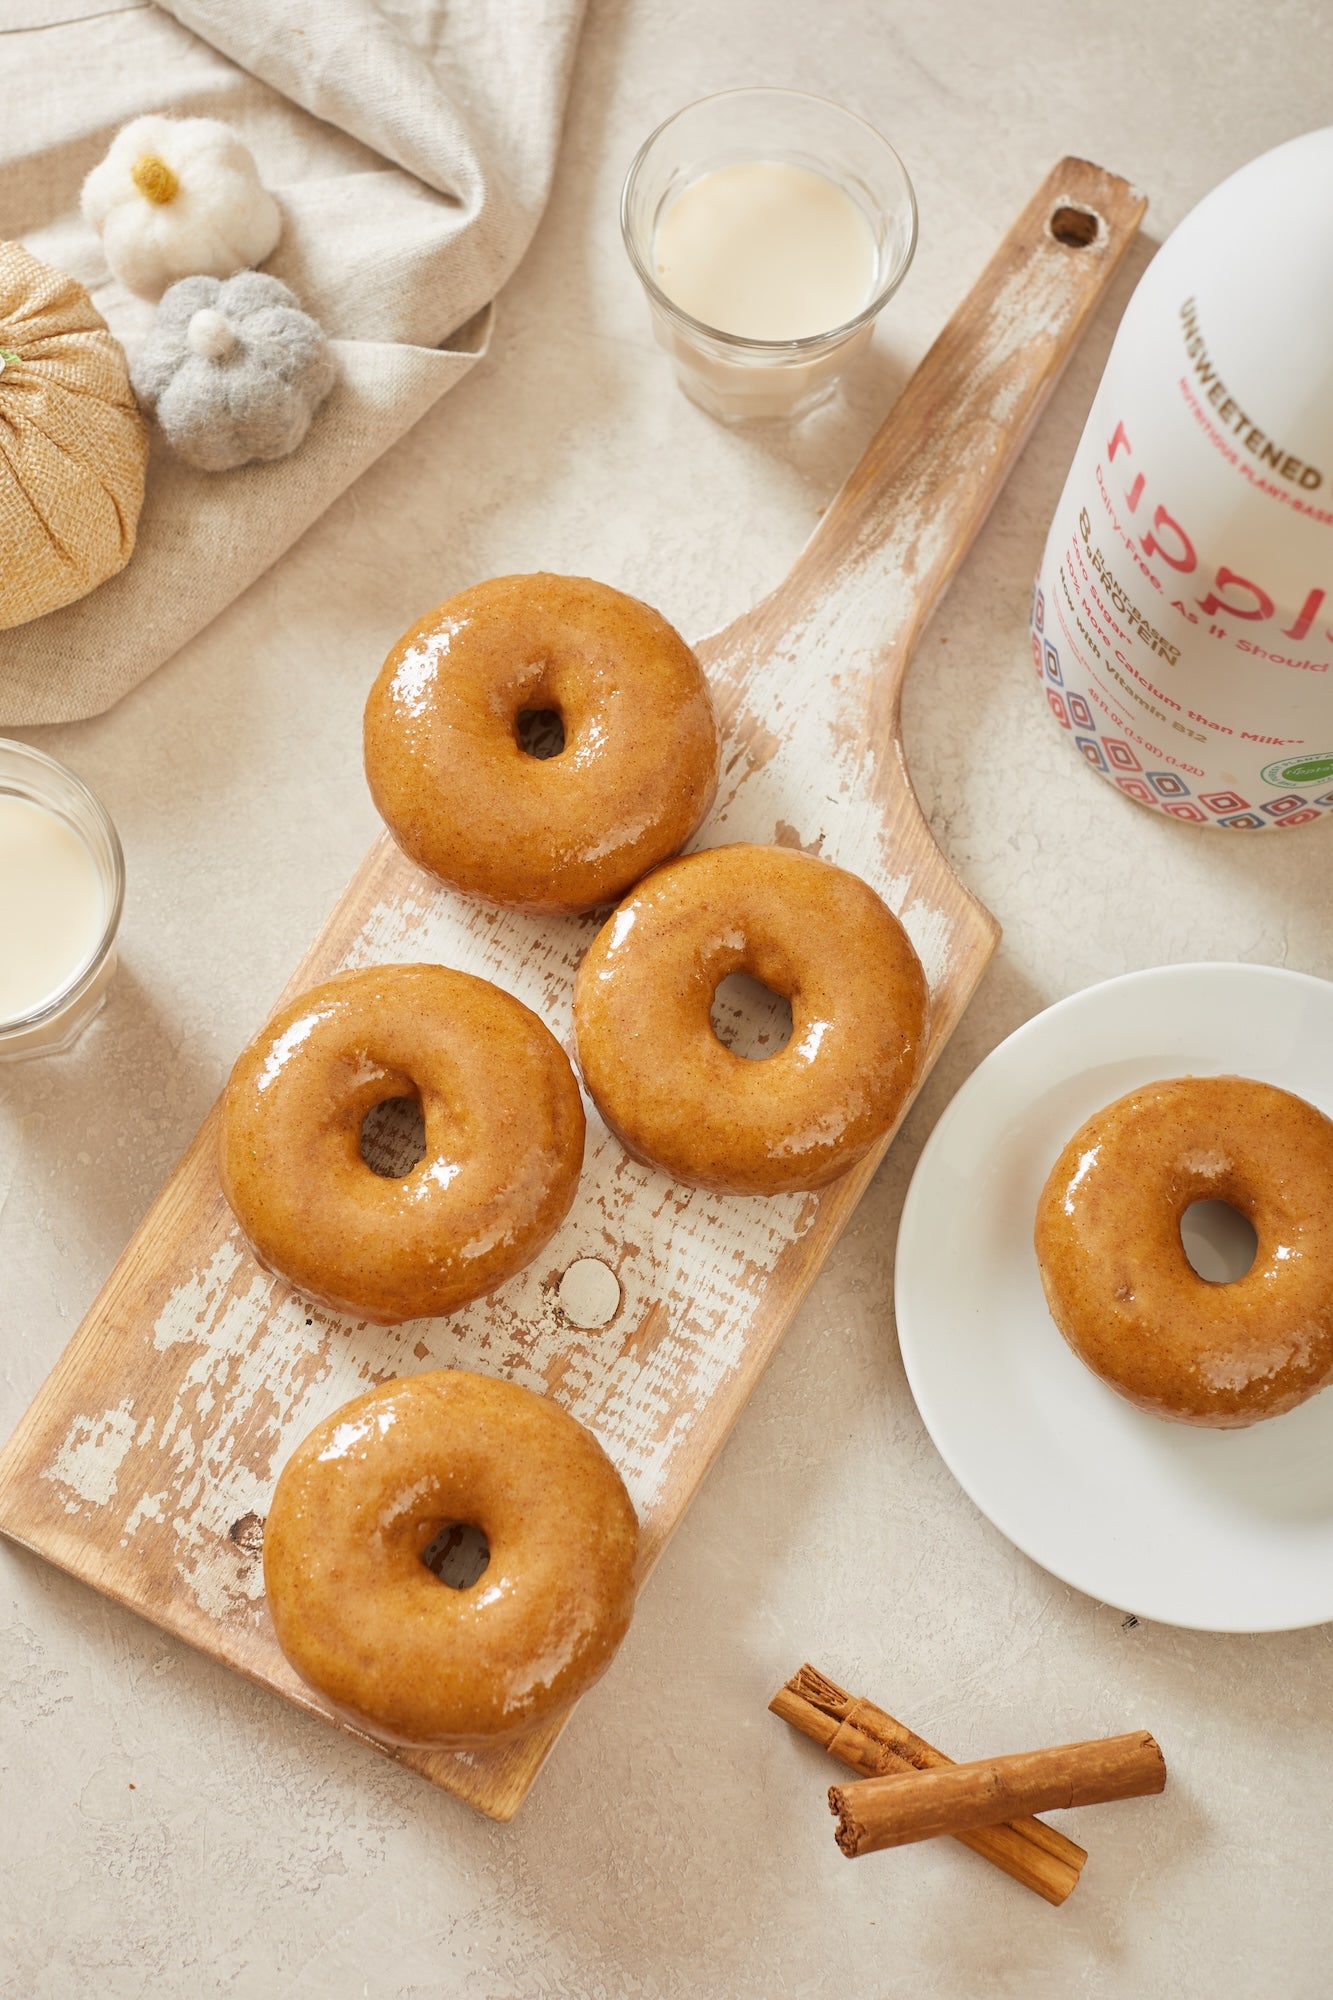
(410, 144)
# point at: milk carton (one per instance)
(1183, 615)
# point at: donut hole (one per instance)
(540, 732)
(393, 1137)
(458, 1554)
(749, 1018)
(1219, 1242)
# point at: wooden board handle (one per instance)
(911, 508)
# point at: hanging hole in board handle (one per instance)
(1077, 228)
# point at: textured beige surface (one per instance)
(258, 1854)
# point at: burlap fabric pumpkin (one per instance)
(73, 446)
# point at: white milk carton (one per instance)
(1183, 615)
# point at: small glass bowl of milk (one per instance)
(768, 229)
(62, 887)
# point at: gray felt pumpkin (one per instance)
(233, 370)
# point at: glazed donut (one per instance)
(504, 1140)
(363, 1620)
(1118, 1282)
(461, 795)
(670, 1090)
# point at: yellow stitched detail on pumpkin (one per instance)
(154, 179)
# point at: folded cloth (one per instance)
(410, 144)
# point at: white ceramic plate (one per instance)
(1225, 1531)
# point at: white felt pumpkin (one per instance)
(176, 197)
(73, 446)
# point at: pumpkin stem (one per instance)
(210, 335)
(154, 179)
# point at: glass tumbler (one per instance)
(63, 1013)
(732, 377)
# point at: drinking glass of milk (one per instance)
(768, 229)
(62, 885)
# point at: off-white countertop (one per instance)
(167, 1830)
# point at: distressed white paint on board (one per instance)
(260, 1367)
(88, 1460)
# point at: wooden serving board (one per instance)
(146, 1462)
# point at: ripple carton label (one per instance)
(1182, 619)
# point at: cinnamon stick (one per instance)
(870, 1741)
(919, 1805)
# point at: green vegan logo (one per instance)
(1300, 770)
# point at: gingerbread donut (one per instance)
(1118, 1282)
(365, 1622)
(504, 1140)
(675, 1095)
(445, 732)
